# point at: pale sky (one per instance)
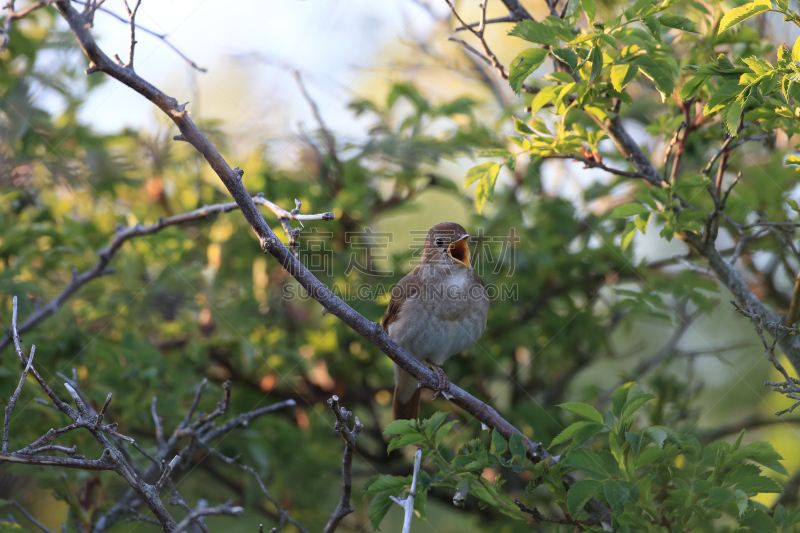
(243, 44)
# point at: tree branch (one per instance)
(407, 503)
(371, 331)
(123, 234)
(351, 441)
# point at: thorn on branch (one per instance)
(179, 138)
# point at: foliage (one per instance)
(652, 477)
(592, 298)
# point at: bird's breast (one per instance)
(445, 317)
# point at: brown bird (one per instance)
(439, 309)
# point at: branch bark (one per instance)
(371, 331)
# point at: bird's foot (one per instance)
(442, 383)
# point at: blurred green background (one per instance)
(201, 300)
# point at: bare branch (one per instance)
(591, 163)
(132, 18)
(537, 516)
(224, 509)
(790, 387)
(499, 20)
(105, 255)
(13, 15)
(408, 502)
(161, 36)
(351, 441)
(371, 331)
(14, 397)
(22, 510)
(284, 514)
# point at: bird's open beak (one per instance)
(459, 250)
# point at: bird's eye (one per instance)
(439, 242)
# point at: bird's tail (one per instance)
(406, 395)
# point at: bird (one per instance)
(437, 310)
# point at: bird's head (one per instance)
(447, 244)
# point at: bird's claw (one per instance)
(442, 383)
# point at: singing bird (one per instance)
(439, 309)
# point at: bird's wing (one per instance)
(401, 292)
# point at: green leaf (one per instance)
(635, 403)
(517, 447)
(410, 92)
(760, 521)
(534, 32)
(678, 22)
(590, 9)
(486, 175)
(691, 87)
(762, 453)
(657, 435)
(649, 455)
(434, 423)
(378, 508)
(568, 57)
(596, 58)
(627, 237)
(474, 174)
(499, 443)
(717, 496)
(740, 472)
(738, 440)
(796, 50)
(733, 113)
(619, 397)
(580, 493)
(404, 440)
(742, 501)
(600, 465)
(385, 483)
(629, 210)
(401, 427)
(642, 221)
(543, 97)
(653, 26)
(742, 13)
(524, 65)
(584, 410)
(443, 431)
(622, 74)
(660, 72)
(573, 429)
(618, 492)
(758, 484)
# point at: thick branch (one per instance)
(371, 331)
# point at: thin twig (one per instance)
(407, 503)
(100, 268)
(30, 517)
(14, 397)
(350, 437)
(224, 509)
(284, 514)
(537, 517)
(591, 163)
(161, 36)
